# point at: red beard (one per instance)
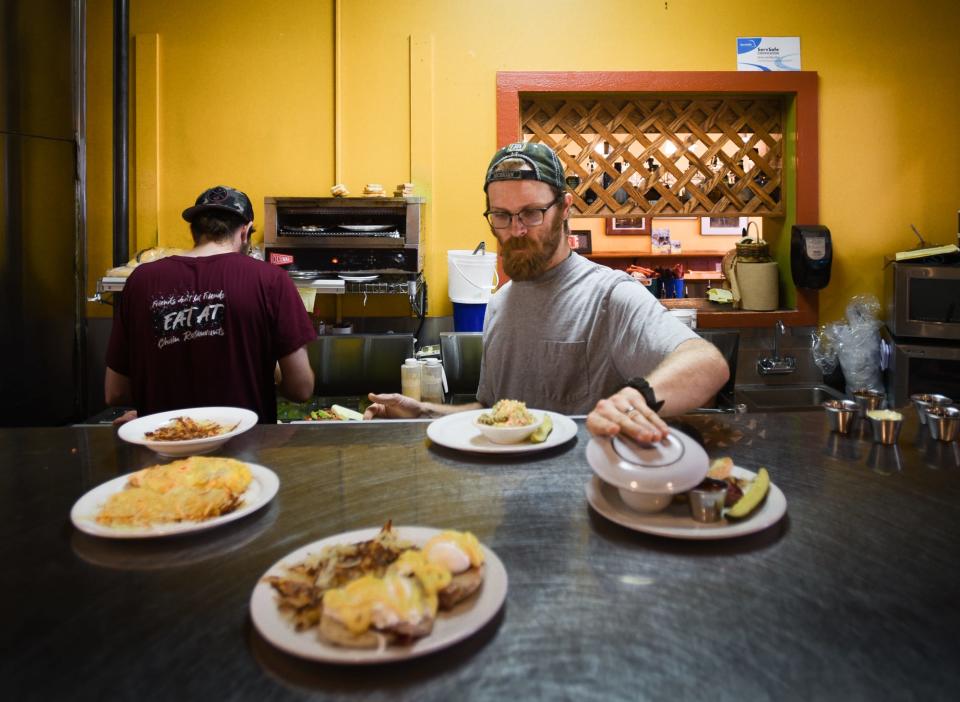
(525, 258)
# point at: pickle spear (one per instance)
(543, 431)
(752, 497)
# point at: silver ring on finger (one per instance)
(630, 412)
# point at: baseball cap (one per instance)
(541, 158)
(221, 199)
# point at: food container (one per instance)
(840, 415)
(647, 476)
(509, 435)
(924, 400)
(886, 425)
(707, 500)
(644, 501)
(868, 400)
(944, 423)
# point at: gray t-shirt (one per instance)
(573, 336)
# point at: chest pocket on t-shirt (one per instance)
(564, 374)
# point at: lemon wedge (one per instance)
(543, 431)
(752, 497)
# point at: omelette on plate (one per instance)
(191, 489)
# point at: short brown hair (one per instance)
(215, 226)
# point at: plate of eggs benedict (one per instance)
(377, 595)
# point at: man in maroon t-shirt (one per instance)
(209, 327)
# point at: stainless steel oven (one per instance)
(923, 300)
(920, 365)
(331, 235)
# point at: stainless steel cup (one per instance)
(840, 415)
(924, 400)
(707, 499)
(868, 400)
(944, 422)
(886, 430)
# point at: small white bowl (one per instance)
(509, 435)
(134, 432)
(647, 502)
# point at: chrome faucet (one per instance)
(777, 364)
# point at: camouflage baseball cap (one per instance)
(221, 199)
(545, 165)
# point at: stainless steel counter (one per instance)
(851, 596)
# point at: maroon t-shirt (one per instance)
(194, 332)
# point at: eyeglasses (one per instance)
(529, 216)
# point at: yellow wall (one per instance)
(244, 98)
(248, 100)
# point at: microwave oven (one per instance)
(913, 366)
(922, 300)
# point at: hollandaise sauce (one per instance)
(407, 593)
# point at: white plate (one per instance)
(465, 619)
(358, 278)
(135, 431)
(367, 227)
(84, 513)
(457, 431)
(675, 521)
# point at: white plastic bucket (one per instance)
(471, 279)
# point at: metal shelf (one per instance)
(410, 288)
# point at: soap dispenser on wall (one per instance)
(811, 256)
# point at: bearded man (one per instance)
(569, 335)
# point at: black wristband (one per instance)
(643, 387)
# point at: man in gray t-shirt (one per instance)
(569, 335)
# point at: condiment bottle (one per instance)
(431, 381)
(410, 379)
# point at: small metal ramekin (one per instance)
(840, 415)
(886, 430)
(943, 422)
(922, 401)
(707, 499)
(868, 400)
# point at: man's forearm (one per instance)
(433, 409)
(116, 389)
(689, 377)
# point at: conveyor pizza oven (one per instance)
(336, 235)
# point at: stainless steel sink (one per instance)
(785, 398)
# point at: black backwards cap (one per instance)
(543, 161)
(221, 199)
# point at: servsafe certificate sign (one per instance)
(768, 53)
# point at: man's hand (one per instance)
(127, 416)
(626, 412)
(392, 406)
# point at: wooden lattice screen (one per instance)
(664, 154)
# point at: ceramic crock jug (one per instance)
(752, 275)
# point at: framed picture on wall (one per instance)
(579, 240)
(628, 225)
(723, 226)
